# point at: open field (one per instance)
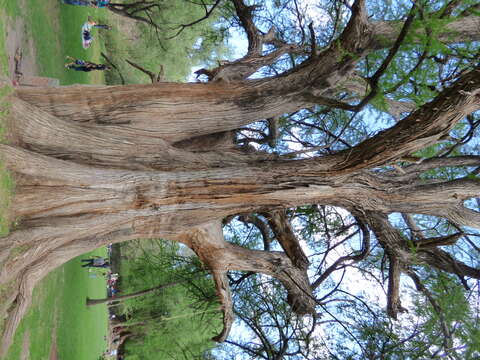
(59, 322)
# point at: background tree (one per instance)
(158, 48)
(171, 322)
(164, 160)
(151, 13)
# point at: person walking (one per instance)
(96, 261)
(83, 65)
(89, 3)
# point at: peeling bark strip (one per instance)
(116, 163)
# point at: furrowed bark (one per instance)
(196, 104)
(398, 248)
(118, 163)
(43, 133)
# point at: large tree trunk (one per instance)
(73, 195)
(75, 205)
(113, 163)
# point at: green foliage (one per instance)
(380, 102)
(456, 311)
(177, 322)
(202, 43)
(6, 181)
(3, 55)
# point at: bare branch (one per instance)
(354, 258)
(153, 78)
(208, 12)
(122, 79)
(394, 305)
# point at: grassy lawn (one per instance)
(59, 301)
(84, 326)
(55, 28)
(59, 308)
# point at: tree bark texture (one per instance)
(105, 165)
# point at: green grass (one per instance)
(85, 326)
(3, 54)
(59, 300)
(7, 8)
(56, 29)
(59, 304)
(10, 8)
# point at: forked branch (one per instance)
(208, 243)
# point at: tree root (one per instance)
(14, 309)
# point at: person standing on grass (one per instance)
(89, 3)
(96, 261)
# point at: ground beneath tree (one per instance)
(18, 41)
(21, 54)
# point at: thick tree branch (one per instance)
(208, 243)
(412, 171)
(421, 128)
(394, 244)
(254, 36)
(394, 306)
(426, 243)
(442, 260)
(281, 227)
(225, 296)
(242, 68)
